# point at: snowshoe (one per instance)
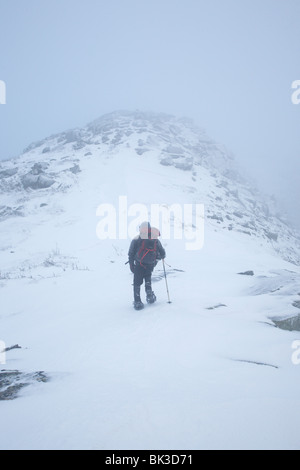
(151, 297)
(138, 305)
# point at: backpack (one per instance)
(147, 252)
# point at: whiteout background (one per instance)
(227, 64)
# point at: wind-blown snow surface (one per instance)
(209, 370)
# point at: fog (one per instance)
(228, 64)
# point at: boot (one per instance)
(138, 304)
(150, 296)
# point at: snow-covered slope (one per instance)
(208, 371)
(132, 145)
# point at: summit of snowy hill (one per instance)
(173, 149)
(80, 368)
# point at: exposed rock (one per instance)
(174, 150)
(186, 166)
(141, 151)
(238, 214)
(256, 363)
(7, 211)
(166, 161)
(216, 306)
(36, 181)
(271, 235)
(75, 169)
(219, 218)
(288, 324)
(8, 173)
(39, 168)
(16, 346)
(34, 145)
(12, 381)
(71, 136)
(79, 145)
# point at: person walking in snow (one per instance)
(144, 253)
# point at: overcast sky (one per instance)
(229, 64)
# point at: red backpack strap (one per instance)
(145, 254)
(141, 248)
(146, 251)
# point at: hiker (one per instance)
(144, 253)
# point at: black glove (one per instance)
(131, 267)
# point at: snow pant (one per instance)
(142, 273)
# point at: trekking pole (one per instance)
(169, 302)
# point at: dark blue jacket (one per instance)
(135, 250)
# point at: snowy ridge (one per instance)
(209, 371)
(231, 202)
